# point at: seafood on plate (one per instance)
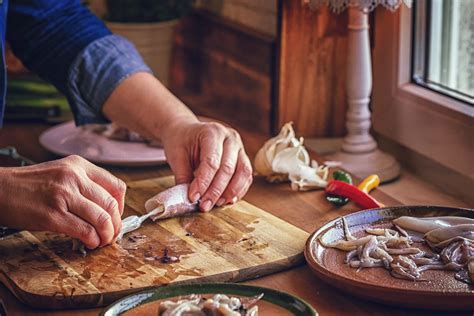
(450, 238)
(426, 224)
(219, 304)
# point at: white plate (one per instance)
(66, 139)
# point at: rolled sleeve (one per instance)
(96, 72)
(47, 35)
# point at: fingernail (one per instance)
(220, 202)
(234, 200)
(195, 197)
(206, 205)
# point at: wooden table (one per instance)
(307, 210)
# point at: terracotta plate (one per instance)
(66, 139)
(442, 291)
(272, 303)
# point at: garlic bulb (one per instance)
(266, 154)
(288, 159)
(285, 158)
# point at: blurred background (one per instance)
(257, 64)
(260, 63)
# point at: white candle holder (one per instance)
(359, 153)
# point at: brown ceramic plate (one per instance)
(442, 291)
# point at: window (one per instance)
(414, 104)
(443, 47)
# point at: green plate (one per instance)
(272, 300)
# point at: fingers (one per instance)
(183, 172)
(76, 227)
(222, 177)
(97, 194)
(113, 185)
(95, 216)
(224, 173)
(210, 154)
(240, 182)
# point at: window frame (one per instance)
(400, 107)
(424, 45)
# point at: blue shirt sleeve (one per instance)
(47, 35)
(97, 71)
(67, 45)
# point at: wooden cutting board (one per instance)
(232, 243)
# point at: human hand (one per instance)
(70, 196)
(212, 158)
(208, 155)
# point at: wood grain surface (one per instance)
(312, 70)
(233, 243)
(306, 210)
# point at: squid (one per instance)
(171, 203)
(426, 224)
(166, 204)
(219, 304)
(451, 238)
(449, 233)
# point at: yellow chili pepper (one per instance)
(369, 183)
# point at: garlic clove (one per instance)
(290, 158)
(306, 178)
(277, 177)
(323, 172)
(261, 164)
(266, 154)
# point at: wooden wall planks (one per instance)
(260, 15)
(229, 72)
(312, 70)
(224, 70)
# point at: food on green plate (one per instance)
(218, 305)
(450, 241)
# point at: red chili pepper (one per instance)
(351, 192)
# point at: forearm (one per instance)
(142, 104)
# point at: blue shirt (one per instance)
(67, 45)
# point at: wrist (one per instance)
(173, 125)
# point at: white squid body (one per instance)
(170, 203)
(427, 224)
(439, 235)
(470, 269)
